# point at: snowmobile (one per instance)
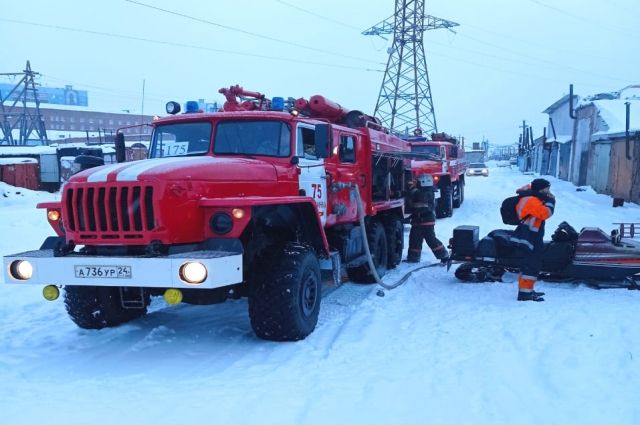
(599, 259)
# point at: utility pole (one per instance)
(142, 109)
(524, 137)
(26, 120)
(405, 95)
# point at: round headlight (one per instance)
(53, 215)
(193, 272)
(173, 108)
(21, 270)
(221, 223)
(237, 213)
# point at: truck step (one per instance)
(132, 298)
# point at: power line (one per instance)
(191, 46)
(318, 15)
(510, 37)
(253, 34)
(582, 18)
(531, 76)
(535, 60)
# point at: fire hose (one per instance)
(374, 271)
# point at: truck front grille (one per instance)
(110, 212)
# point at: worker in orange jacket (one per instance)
(535, 206)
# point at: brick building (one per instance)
(76, 124)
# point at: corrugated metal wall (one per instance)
(580, 154)
(598, 170)
(564, 160)
(20, 175)
(552, 167)
(624, 174)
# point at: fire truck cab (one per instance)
(443, 159)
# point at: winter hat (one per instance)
(539, 184)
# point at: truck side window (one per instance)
(454, 152)
(306, 143)
(347, 149)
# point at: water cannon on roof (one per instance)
(239, 99)
(248, 100)
(322, 108)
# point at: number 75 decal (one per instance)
(317, 190)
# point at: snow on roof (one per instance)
(560, 102)
(26, 150)
(17, 160)
(560, 138)
(12, 151)
(613, 113)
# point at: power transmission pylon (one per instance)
(26, 120)
(405, 95)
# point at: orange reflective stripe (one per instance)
(532, 206)
(526, 285)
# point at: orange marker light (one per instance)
(237, 213)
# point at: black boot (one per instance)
(538, 294)
(529, 296)
(412, 257)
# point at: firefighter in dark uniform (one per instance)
(535, 206)
(423, 220)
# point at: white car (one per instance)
(478, 169)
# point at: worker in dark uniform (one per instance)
(423, 220)
(535, 206)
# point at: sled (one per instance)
(591, 256)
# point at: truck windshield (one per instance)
(428, 149)
(181, 139)
(268, 138)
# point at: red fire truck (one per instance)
(445, 161)
(250, 201)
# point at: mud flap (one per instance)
(334, 266)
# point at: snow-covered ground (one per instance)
(434, 351)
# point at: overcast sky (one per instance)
(507, 61)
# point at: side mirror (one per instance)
(295, 160)
(322, 140)
(120, 149)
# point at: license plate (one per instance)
(103, 272)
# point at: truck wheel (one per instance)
(378, 247)
(394, 230)
(445, 203)
(97, 307)
(458, 196)
(284, 300)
